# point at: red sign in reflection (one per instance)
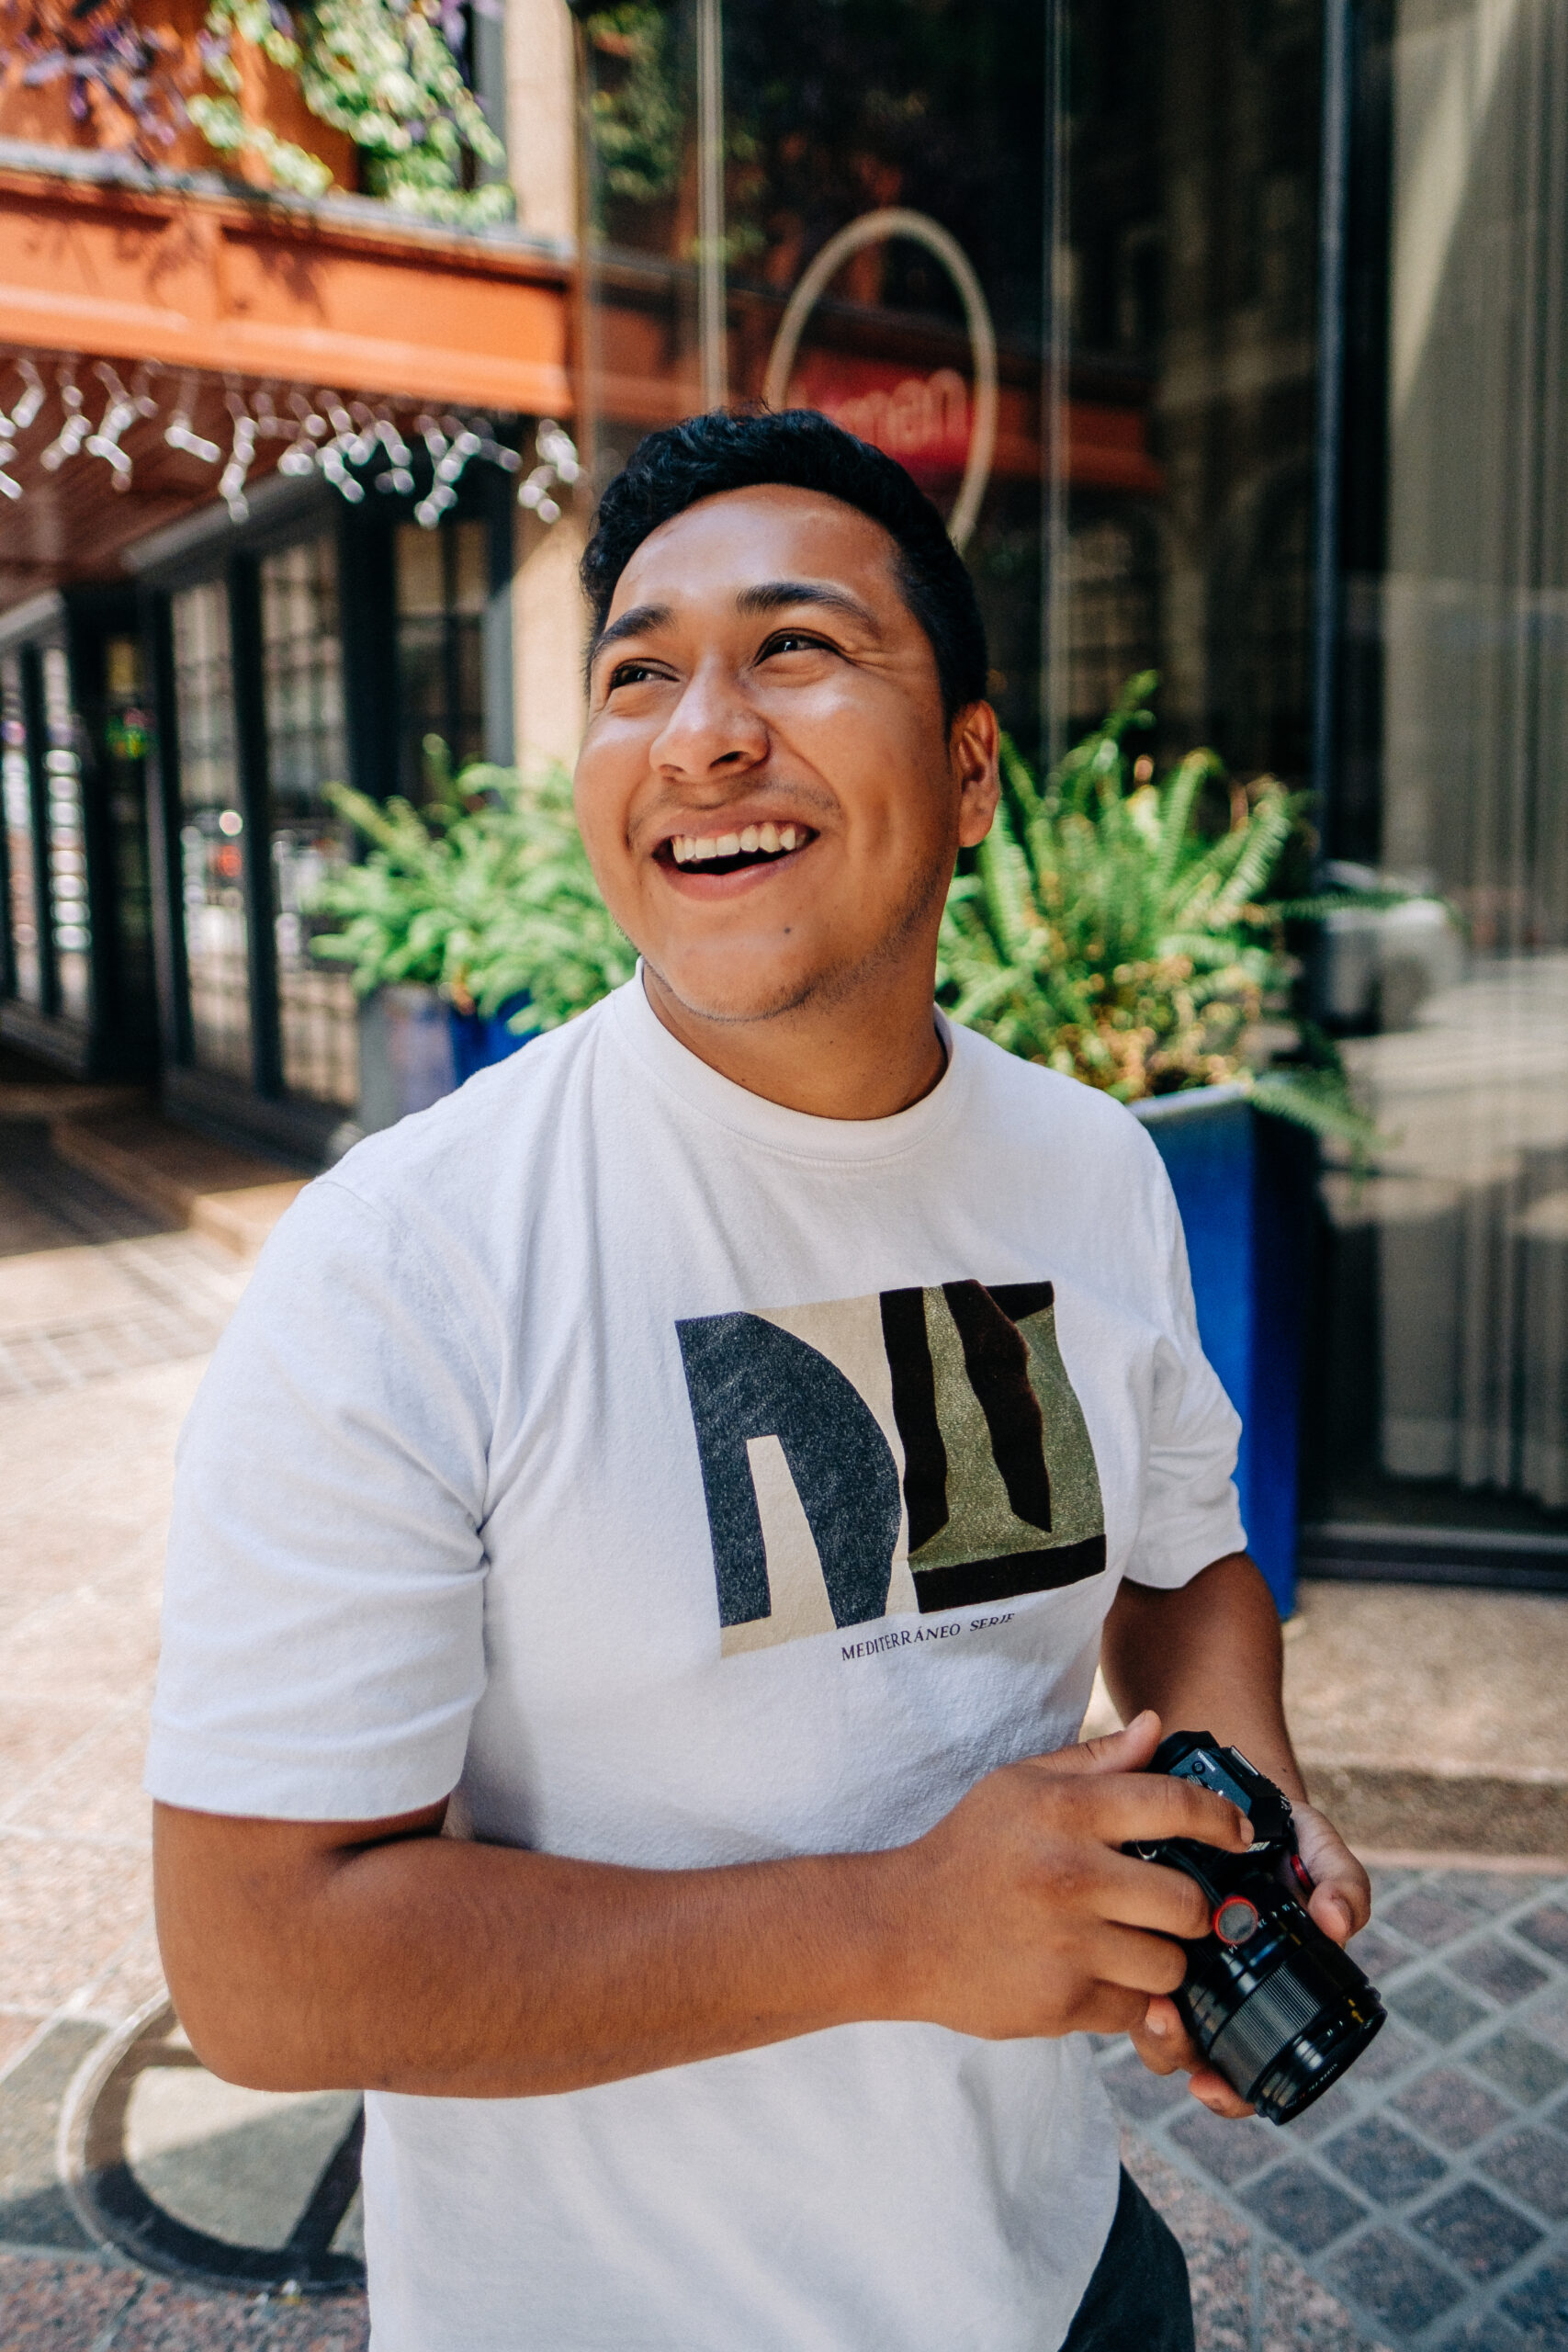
(924, 422)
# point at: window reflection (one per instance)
(829, 116)
(126, 724)
(1446, 1399)
(21, 848)
(212, 851)
(302, 695)
(443, 586)
(69, 920)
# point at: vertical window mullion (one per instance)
(249, 744)
(163, 819)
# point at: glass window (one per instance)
(443, 580)
(126, 728)
(302, 692)
(69, 923)
(212, 848)
(872, 242)
(21, 872)
(1445, 1393)
(1186, 350)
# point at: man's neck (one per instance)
(842, 1061)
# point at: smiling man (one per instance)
(642, 1550)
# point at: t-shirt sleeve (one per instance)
(323, 1648)
(1192, 1514)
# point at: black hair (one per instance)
(744, 449)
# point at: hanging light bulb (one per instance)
(76, 428)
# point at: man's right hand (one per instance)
(1025, 1918)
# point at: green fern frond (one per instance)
(1102, 933)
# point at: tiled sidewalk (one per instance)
(49, 2305)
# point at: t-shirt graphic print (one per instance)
(902, 1454)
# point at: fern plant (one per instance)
(484, 893)
(1104, 933)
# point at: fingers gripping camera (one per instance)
(1272, 2002)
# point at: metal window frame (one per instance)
(487, 499)
(257, 1108)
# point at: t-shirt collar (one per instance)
(798, 1133)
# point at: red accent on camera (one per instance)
(1240, 1918)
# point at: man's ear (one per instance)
(972, 749)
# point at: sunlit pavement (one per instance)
(1424, 2204)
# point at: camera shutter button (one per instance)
(1235, 1920)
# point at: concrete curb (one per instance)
(1388, 1808)
(231, 1197)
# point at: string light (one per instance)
(348, 443)
(558, 464)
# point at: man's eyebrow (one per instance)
(774, 595)
(635, 623)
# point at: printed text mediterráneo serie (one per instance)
(906, 1636)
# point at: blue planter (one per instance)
(413, 1049)
(1243, 1185)
(481, 1038)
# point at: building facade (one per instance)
(1229, 334)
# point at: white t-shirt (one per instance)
(686, 1480)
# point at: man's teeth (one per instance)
(697, 849)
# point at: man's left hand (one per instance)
(1341, 1905)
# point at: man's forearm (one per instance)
(306, 1956)
(434, 1965)
(1206, 1657)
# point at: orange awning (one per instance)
(345, 293)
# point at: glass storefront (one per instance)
(872, 247)
(1060, 261)
(1444, 1389)
(319, 648)
(76, 981)
(1065, 263)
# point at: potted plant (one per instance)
(472, 925)
(1111, 929)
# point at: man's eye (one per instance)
(631, 674)
(794, 640)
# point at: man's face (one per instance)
(768, 792)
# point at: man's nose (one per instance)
(714, 729)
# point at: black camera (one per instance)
(1272, 2002)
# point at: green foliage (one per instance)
(484, 892)
(635, 108)
(1104, 932)
(380, 70)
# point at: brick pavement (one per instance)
(1425, 2204)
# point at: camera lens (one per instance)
(1280, 2010)
(1272, 2002)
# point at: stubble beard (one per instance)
(833, 984)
